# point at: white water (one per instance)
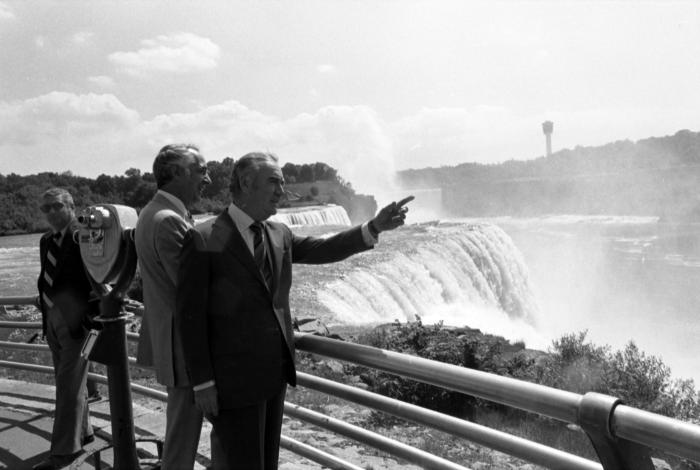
(313, 215)
(459, 275)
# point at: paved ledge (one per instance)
(26, 419)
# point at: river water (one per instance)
(620, 278)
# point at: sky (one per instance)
(369, 87)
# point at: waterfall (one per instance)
(329, 214)
(459, 274)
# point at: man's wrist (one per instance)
(372, 229)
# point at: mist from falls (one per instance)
(456, 273)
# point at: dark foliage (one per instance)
(20, 195)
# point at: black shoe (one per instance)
(94, 397)
(56, 462)
(88, 439)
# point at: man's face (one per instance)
(264, 191)
(195, 178)
(58, 212)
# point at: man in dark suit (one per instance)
(64, 300)
(233, 309)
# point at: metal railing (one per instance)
(621, 435)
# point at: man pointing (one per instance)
(233, 308)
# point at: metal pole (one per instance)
(113, 353)
(120, 407)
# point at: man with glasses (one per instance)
(64, 301)
(181, 174)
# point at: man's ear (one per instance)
(246, 183)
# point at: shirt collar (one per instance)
(176, 201)
(240, 218)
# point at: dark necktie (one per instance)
(260, 252)
(53, 250)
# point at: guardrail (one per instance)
(621, 435)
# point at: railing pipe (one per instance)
(657, 431)
(406, 452)
(312, 453)
(497, 440)
(26, 300)
(29, 325)
(539, 399)
(24, 346)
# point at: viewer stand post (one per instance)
(109, 254)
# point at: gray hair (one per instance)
(247, 164)
(60, 194)
(164, 165)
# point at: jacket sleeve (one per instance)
(169, 239)
(313, 250)
(191, 319)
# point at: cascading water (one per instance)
(313, 215)
(459, 274)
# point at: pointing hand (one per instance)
(391, 216)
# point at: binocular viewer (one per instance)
(104, 237)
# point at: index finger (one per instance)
(405, 201)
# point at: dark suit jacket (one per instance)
(234, 328)
(71, 288)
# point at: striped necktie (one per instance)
(53, 250)
(260, 252)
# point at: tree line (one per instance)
(20, 195)
(658, 176)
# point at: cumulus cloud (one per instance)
(6, 12)
(86, 134)
(350, 138)
(179, 53)
(102, 81)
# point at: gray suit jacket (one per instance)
(160, 232)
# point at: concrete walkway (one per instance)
(26, 419)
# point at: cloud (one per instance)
(59, 113)
(82, 37)
(179, 53)
(6, 12)
(102, 81)
(40, 42)
(87, 134)
(350, 138)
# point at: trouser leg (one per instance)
(71, 416)
(250, 435)
(183, 426)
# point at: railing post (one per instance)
(595, 413)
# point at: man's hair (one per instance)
(164, 166)
(60, 194)
(247, 164)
